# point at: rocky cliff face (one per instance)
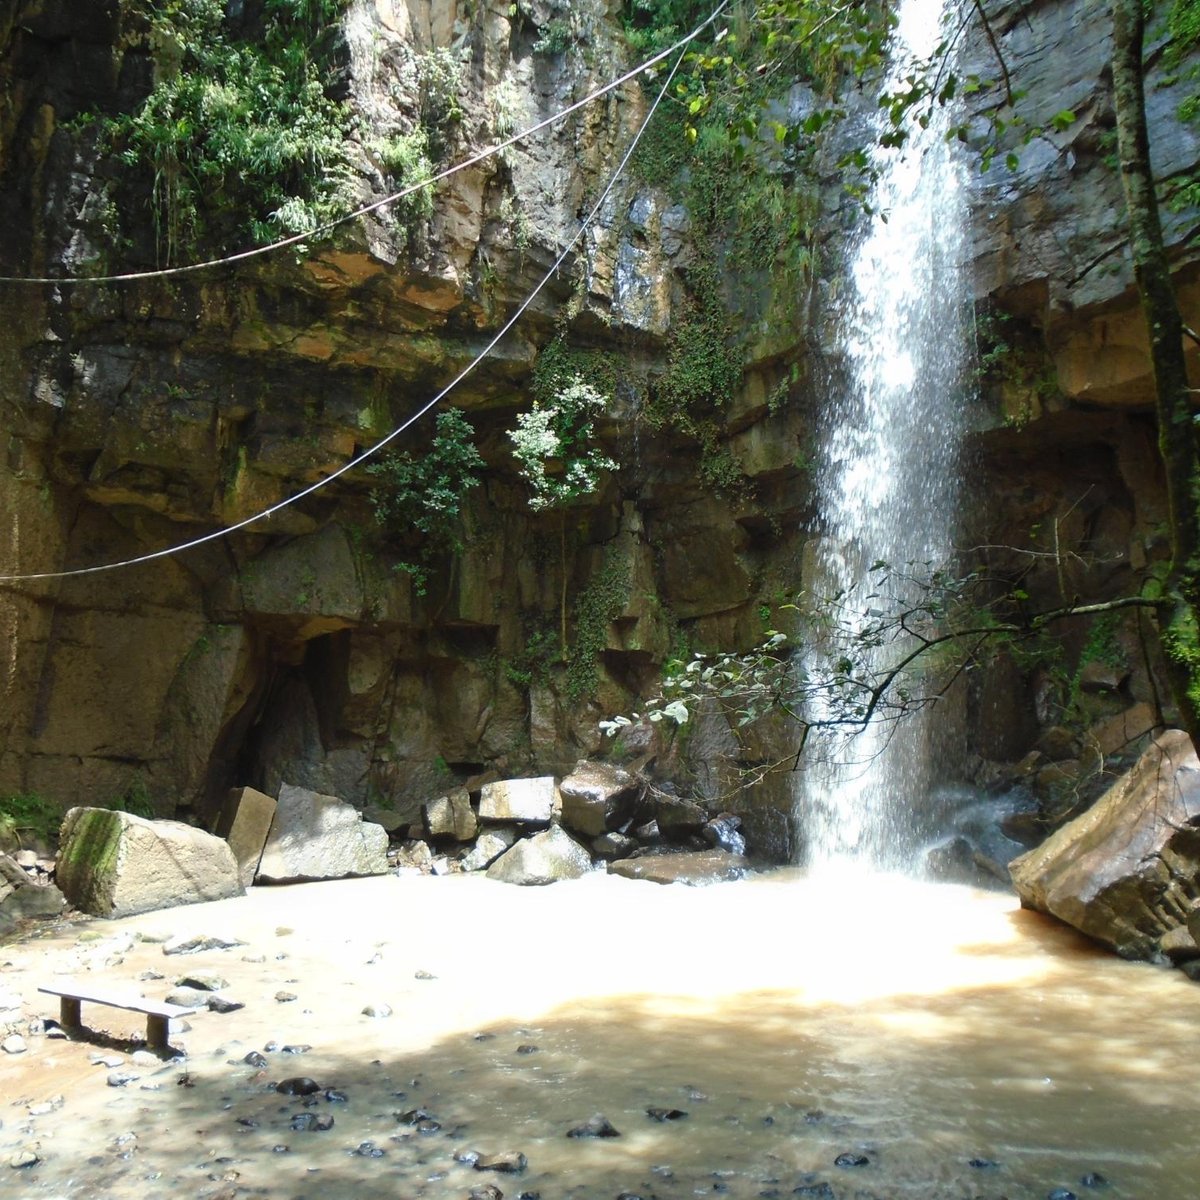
(141, 415)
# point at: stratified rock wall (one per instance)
(141, 415)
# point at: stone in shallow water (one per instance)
(196, 943)
(297, 1085)
(694, 868)
(507, 1162)
(665, 1114)
(598, 1126)
(851, 1159)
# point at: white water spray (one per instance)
(887, 478)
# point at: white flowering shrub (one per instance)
(553, 443)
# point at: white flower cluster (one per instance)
(553, 446)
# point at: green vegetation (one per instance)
(598, 605)
(239, 133)
(554, 444)
(418, 500)
(26, 817)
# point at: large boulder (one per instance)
(523, 801)
(546, 857)
(597, 798)
(1125, 870)
(20, 897)
(113, 864)
(244, 822)
(320, 837)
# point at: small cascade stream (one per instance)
(888, 475)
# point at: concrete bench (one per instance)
(158, 1015)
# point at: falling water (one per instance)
(888, 479)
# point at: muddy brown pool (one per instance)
(794, 1020)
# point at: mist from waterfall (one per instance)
(887, 475)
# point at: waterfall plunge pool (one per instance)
(794, 1018)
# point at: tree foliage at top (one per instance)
(243, 140)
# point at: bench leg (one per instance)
(156, 1032)
(68, 1013)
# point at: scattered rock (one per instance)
(722, 833)
(144, 1058)
(982, 1164)
(309, 1122)
(507, 1162)
(597, 1126)
(297, 1085)
(678, 819)
(319, 837)
(522, 801)
(119, 1079)
(23, 1158)
(597, 798)
(14, 1044)
(488, 847)
(205, 981)
(377, 1010)
(106, 1060)
(254, 1059)
(244, 822)
(223, 1004)
(544, 858)
(488, 1192)
(1179, 945)
(113, 864)
(611, 846)
(1061, 1193)
(187, 997)
(1115, 872)
(196, 943)
(851, 1159)
(451, 816)
(367, 1150)
(416, 857)
(814, 1191)
(21, 898)
(695, 868)
(666, 1114)
(284, 997)
(1093, 1179)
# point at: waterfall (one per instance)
(887, 474)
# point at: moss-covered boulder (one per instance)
(113, 864)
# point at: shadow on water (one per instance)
(1044, 1080)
